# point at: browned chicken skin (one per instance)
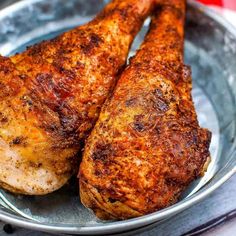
(52, 93)
(147, 145)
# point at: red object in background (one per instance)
(230, 4)
(213, 2)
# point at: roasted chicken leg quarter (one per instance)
(147, 145)
(52, 93)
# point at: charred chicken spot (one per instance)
(174, 183)
(64, 137)
(195, 138)
(138, 124)
(112, 200)
(172, 32)
(94, 41)
(97, 172)
(3, 118)
(123, 13)
(18, 141)
(5, 69)
(70, 74)
(47, 88)
(130, 102)
(63, 51)
(170, 29)
(192, 139)
(86, 48)
(35, 164)
(68, 123)
(102, 152)
(187, 74)
(161, 105)
(158, 101)
(4, 89)
(173, 125)
(43, 78)
(79, 65)
(110, 59)
(36, 49)
(51, 127)
(70, 120)
(26, 100)
(23, 76)
(157, 130)
(158, 93)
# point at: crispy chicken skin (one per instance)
(52, 93)
(147, 145)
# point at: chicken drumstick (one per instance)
(147, 145)
(52, 93)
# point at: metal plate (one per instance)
(211, 51)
